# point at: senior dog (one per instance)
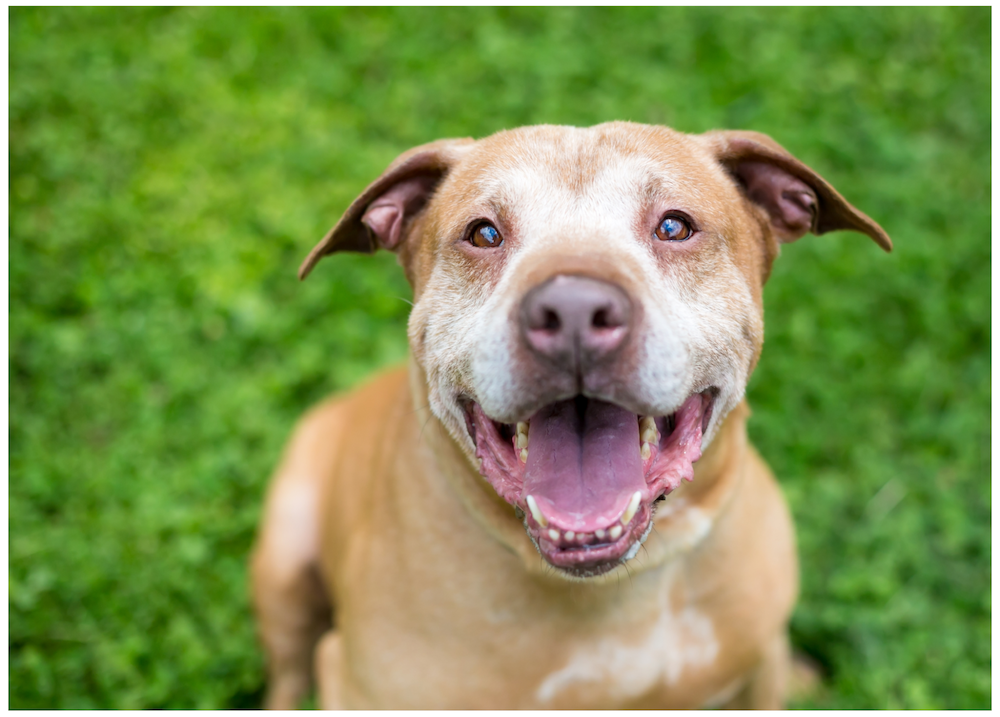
(555, 505)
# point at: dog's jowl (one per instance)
(555, 504)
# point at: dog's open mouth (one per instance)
(586, 474)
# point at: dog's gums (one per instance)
(585, 474)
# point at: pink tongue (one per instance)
(583, 469)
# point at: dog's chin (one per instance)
(585, 475)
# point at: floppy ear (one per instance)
(379, 217)
(796, 199)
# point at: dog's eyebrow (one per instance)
(651, 189)
(501, 212)
(492, 208)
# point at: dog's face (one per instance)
(588, 306)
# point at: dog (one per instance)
(554, 505)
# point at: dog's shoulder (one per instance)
(329, 432)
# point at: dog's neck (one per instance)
(679, 525)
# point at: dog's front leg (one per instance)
(290, 602)
(767, 688)
(329, 672)
(292, 613)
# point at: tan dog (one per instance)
(512, 522)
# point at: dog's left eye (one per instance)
(673, 228)
(485, 236)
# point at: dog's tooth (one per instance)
(615, 532)
(522, 435)
(649, 435)
(553, 533)
(585, 537)
(633, 506)
(645, 451)
(570, 535)
(536, 513)
(646, 423)
(599, 533)
(524, 455)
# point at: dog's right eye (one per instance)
(485, 236)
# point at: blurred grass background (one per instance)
(170, 168)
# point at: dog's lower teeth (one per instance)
(633, 506)
(645, 451)
(536, 513)
(524, 455)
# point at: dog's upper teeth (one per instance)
(521, 441)
(599, 533)
(553, 533)
(648, 436)
(522, 435)
(615, 532)
(536, 513)
(633, 506)
(570, 535)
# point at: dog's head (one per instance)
(588, 306)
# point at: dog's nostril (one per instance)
(551, 321)
(600, 319)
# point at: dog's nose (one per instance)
(575, 321)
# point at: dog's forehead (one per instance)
(599, 171)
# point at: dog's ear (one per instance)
(379, 217)
(796, 199)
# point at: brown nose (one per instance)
(575, 321)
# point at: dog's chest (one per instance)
(616, 669)
(519, 651)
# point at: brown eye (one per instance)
(673, 228)
(485, 236)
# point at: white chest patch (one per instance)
(674, 643)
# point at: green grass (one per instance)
(169, 169)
